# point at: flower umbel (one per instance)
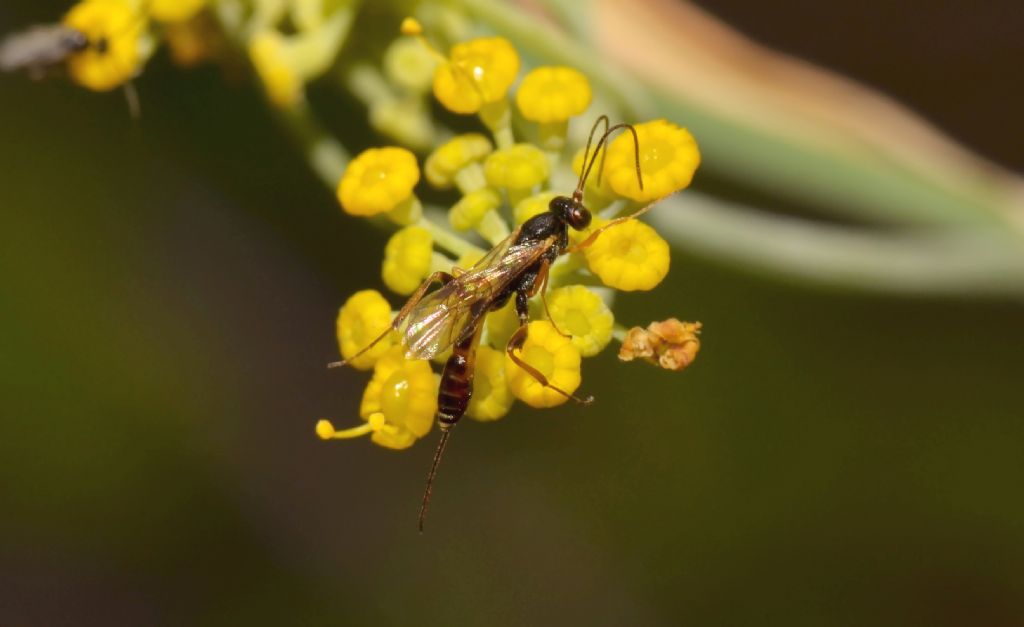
(494, 178)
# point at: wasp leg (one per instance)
(440, 277)
(541, 285)
(516, 342)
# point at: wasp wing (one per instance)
(452, 312)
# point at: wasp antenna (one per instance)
(603, 143)
(586, 152)
(425, 505)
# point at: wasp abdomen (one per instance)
(457, 381)
(456, 389)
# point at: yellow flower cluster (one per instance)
(507, 172)
(500, 182)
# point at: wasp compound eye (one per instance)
(579, 219)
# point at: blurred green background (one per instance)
(168, 303)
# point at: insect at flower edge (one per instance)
(514, 270)
(485, 322)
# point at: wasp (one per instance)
(41, 48)
(517, 268)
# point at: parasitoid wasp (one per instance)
(517, 267)
(41, 49)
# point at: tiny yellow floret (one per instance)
(629, 256)
(363, 317)
(409, 65)
(582, 314)
(467, 213)
(553, 94)
(114, 32)
(668, 158)
(518, 167)
(491, 397)
(478, 72)
(501, 324)
(174, 10)
(411, 27)
(270, 54)
(531, 206)
(378, 180)
(404, 392)
(407, 258)
(554, 356)
(451, 157)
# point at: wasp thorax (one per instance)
(571, 211)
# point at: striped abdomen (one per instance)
(457, 381)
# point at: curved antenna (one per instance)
(578, 194)
(603, 144)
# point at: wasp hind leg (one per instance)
(403, 313)
(515, 343)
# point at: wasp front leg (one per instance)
(515, 343)
(403, 313)
(540, 284)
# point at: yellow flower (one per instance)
(270, 55)
(285, 63)
(378, 180)
(467, 213)
(517, 169)
(553, 94)
(174, 10)
(407, 258)
(409, 65)
(114, 31)
(405, 391)
(555, 356)
(582, 314)
(668, 159)
(491, 397)
(398, 405)
(531, 206)
(501, 324)
(629, 256)
(478, 72)
(453, 156)
(192, 41)
(363, 317)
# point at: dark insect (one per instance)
(452, 315)
(41, 48)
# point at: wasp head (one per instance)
(571, 211)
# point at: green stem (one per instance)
(975, 262)
(323, 151)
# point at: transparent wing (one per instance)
(444, 316)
